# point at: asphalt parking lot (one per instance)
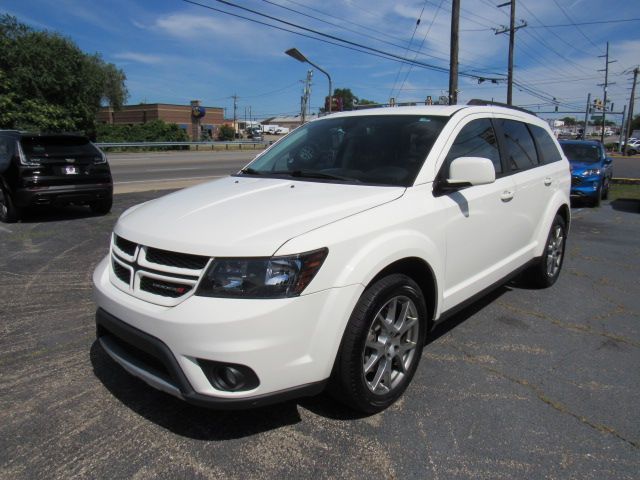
(523, 384)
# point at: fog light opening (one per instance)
(229, 377)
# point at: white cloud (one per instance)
(140, 57)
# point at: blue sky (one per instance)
(173, 51)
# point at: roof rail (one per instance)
(480, 102)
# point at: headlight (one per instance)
(270, 277)
(591, 171)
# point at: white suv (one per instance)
(330, 257)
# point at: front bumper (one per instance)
(585, 187)
(289, 343)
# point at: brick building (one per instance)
(188, 117)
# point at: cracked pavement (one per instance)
(522, 384)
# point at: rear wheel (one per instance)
(9, 213)
(382, 345)
(102, 207)
(546, 270)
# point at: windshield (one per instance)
(55, 146)
(372, 149)
(584, 153)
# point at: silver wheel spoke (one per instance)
(389, 350)
(373, 359)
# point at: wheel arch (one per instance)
(420, 272)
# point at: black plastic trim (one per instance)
(109, 325)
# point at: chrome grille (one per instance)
(164, 289)
(178, 260)
(126, 246)
(121, 272)
(155, 275)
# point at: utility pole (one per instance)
(631, 102)
(305, 97)
(624, 112)
(512, 40)
(586, 117)
(453, 58)
(605, 86)
(235, 114)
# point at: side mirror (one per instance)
(608, 161)
(465, 171)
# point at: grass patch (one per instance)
(624, 191)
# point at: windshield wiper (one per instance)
(251, 171)
(314, 174)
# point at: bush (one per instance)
(226, 133)
(154, 131)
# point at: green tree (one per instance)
(226, 132)
(569, 121)
(47, 83)
(635, 123)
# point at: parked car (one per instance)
(634, 147)
(330, 257)
(591, 170)
(51, 169)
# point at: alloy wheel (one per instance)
(390, 346)
(555, 250)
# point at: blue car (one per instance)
(591, 170)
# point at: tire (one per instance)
(605, 190)
(546, 270)
(102, 207)
(381, 346)
(9, 213)
(595, 200)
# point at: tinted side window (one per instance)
(521, 151)
(547, 150)
(476, 139)
(5, 154)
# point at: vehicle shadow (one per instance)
(201, 423)
(56, 214)
(630, 205)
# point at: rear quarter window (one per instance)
(547, 150)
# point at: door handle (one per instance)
(548, 181)
(506, 195)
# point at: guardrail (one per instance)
(237, 143)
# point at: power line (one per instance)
(406, 52)
(577, 27)
(435, 15)
(354, 45)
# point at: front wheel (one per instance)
(546, 270)
(605, 190)
(382, 345)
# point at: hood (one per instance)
(580, 166)
(245, 216)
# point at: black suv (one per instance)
(51, 169)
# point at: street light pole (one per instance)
(295, 53)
